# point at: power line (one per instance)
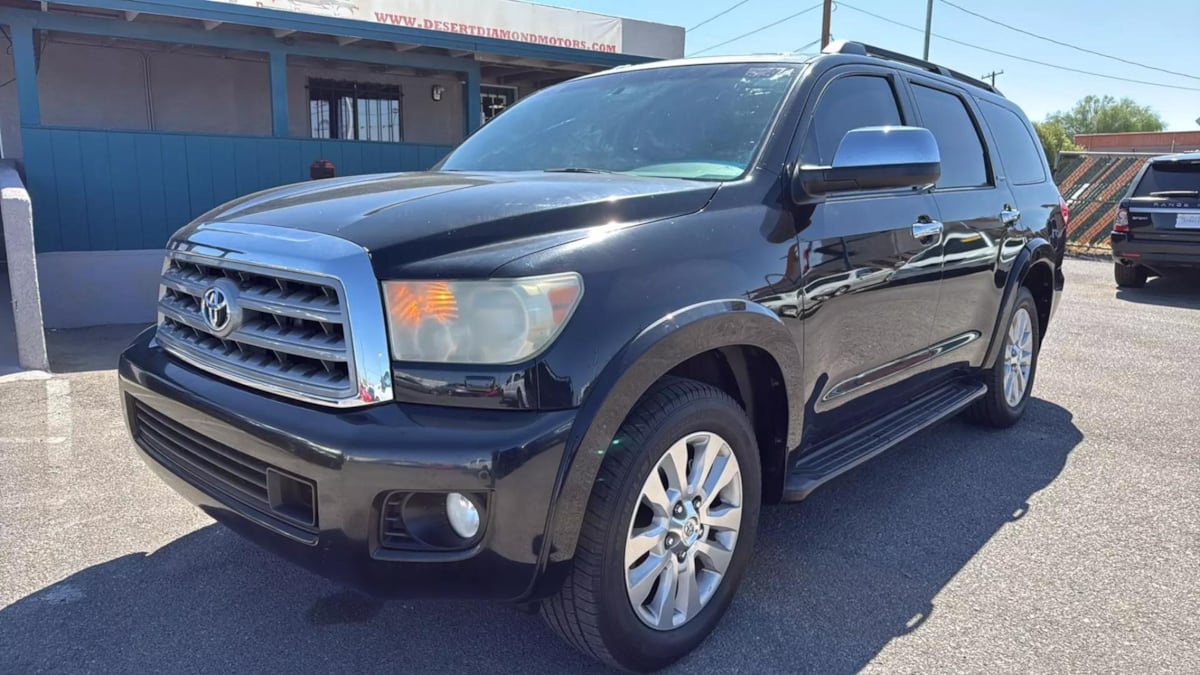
(719, 14)
(1019, 58)
(759, 29)
(811, 44)
(1067, 44)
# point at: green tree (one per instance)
(1054, 140)
(1106, 115)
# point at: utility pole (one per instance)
(992, 76)
(825, 15)
(928, 26)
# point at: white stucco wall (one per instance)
(78, 287)
(106, 87)
(92, 87)
(16, 220)
(211, 95)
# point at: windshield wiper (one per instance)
(576, 169)
(1176, 193)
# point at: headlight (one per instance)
(484, 322)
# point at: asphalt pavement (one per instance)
(1070, 543)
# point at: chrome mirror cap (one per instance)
(873, 158)
(886, 146)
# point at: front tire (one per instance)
(668, 533)
(1129, 276)
(1010, 380)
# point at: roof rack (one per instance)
(860, 49)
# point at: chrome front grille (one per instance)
(291, 336)
(302, 318)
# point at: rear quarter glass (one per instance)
(1020, 152)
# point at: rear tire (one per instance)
(1016, 366)
(595, 609)
(1130, 276)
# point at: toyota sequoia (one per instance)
(566, 368)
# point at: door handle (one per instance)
(1009, 215)
(925, 228)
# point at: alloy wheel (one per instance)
(683, 530)
(1018, 357)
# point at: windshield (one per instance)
(701, 122)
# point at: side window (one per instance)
(945, 114)
(1019, 150)
(848, 103)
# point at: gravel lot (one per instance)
(1070, 543)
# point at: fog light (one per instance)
(463, 515)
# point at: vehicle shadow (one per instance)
(1181, 289)
(79, 350)
(833, 581)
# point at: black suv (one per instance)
(565, 368)
(1158, 222)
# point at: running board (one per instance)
(828, 461)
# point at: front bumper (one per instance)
(1154, 253)
(353, 459)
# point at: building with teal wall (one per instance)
(129, 118)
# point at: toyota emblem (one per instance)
(217, 304)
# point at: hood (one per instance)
(485, 218)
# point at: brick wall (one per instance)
(1155, 141)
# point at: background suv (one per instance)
(1158, 221)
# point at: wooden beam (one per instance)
(472, 101)
(514, 75)
(279, 97)
(541, 64)
(25, 68)
(511, 60)
(574, 68)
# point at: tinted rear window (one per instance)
(1019, 150)
(945, 114)
(1169, 177)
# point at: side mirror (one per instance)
(873, 158)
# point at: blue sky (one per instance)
(1160, 33)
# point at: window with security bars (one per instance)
(495, 99)
(355, 110)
